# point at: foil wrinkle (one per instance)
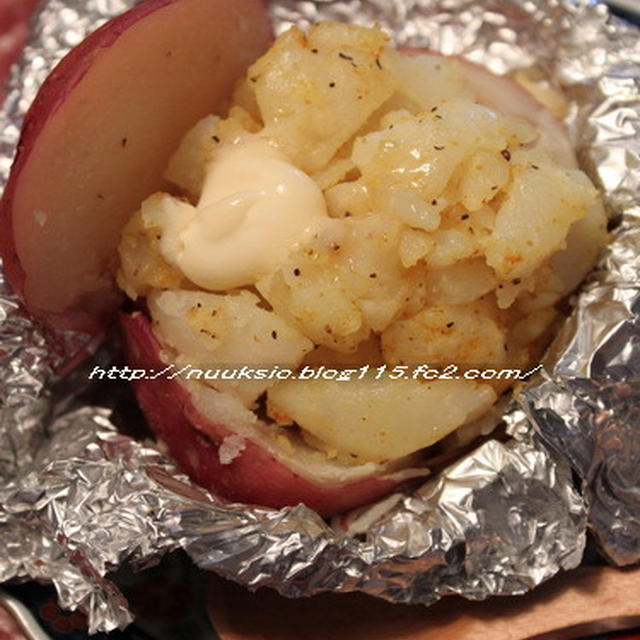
(78, 497)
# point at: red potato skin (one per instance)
(72, 68)
(254, 476)
(93, 315)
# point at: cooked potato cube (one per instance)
(210, 331)
(468, 335)
(142, 266)
(360, 417)
(461, 283)
(302, 95)
(533, 222)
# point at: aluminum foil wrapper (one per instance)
(78, 498)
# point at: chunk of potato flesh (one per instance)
(380, 419)
(212, 331)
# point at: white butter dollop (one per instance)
(255, 207)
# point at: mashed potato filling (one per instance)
(360, 206)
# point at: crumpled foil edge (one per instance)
(81, 498)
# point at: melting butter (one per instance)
(254, 209)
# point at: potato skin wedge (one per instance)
(254, 476)
(97, 139)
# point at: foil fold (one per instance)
(468, 532)
(78, 498)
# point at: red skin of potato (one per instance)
(87, 156)
(254, 476)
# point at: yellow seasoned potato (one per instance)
(461, 283)
(231, 331)
(187, 167)
(441, 334)
(361, 419)
(422, 226)
(303, 83)
(422, 151)
(534, 220)
(142, 266)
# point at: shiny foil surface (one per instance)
(78, 498)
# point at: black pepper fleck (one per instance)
(438, 148)
(450, 324)
(274, 335)
(296, 272)
(464, 216)
(215, 138)
(344, 56)
(378, 63)
(332, 84)
(505, 153)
